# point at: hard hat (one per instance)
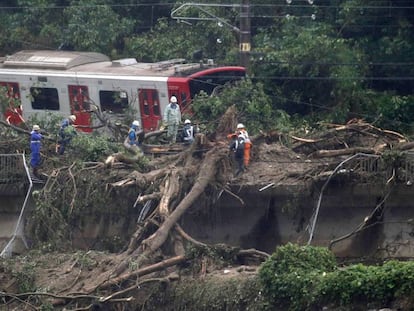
(240, 126)
(72, 118)
(36, 127)
(135, 123)
(173, 99)
(187, 121)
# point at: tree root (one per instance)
(141, 272)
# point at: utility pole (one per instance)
(245, 35)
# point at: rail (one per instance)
(365, 168)
(400, 170)
(15, 175)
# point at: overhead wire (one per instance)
(229, 5)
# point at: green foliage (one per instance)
(379, 284)
(75, 199)
(254, 107)
(290, 257)
(390, 111)
(47, 306)
(26, 276)
(288, 276)
(49, 122)
(93, 147)
(97, 29)
(304, 53)
(48, 225)
(305, 277)
(211, 295)
(220, 252)
(170, 39)
(84, 261)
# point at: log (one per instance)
(405, 146)
(341, 152)
(206, 174)
(141, 272)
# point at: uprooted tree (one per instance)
(167, 185)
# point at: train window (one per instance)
(44, 98)
(156, 108)
(156, 100)
(146, 108)
(113, 101)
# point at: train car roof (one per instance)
(96, 64)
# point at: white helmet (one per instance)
(240, 126)
(72, 118)
(135, 123)
(187, 121)
(173, 99)
(36, 127)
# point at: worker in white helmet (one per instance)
(240, 144)
(188, 132)
(172, 118)
(247, 143)
(66, 133)
(135, 137)
(35, 146)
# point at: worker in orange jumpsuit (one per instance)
(244, 143)
(247, 143)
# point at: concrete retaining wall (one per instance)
(273, 217)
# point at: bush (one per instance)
(369, 284)
(306, 277)
(289, 275)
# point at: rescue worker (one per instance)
(135, 137)
(66, 133)
(188, 132)
(172, 118)
(35, 146)
(237, 146)
(247, 144)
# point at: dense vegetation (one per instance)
(298, 278)
(329, 60)
(305, 277)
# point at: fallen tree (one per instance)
(172, 184)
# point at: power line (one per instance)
(270, 5)
(338, 64)
(408, 78)
(85, 6)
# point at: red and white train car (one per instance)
(67, 82)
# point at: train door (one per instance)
(14, 111)
(149, 103)
(80, 106)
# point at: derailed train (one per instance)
(68, 82)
